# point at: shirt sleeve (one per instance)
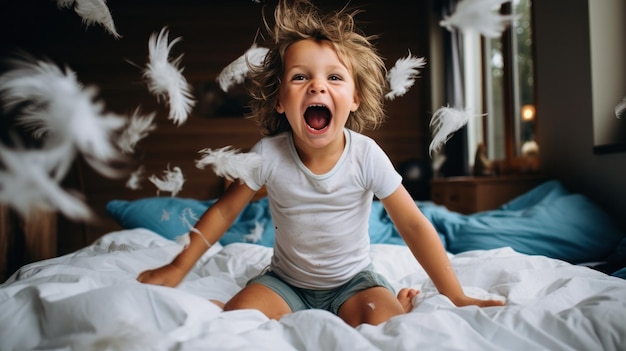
(256, 180)
(384, 179)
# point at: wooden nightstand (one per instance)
(474, 194)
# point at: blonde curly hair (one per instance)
(298, 20)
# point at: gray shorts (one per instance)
(331, 300)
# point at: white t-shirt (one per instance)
(321, 220)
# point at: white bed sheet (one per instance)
(90, 300)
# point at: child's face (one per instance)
(317, 93)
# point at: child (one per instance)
(320, 85)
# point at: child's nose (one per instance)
(317, 87)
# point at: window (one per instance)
(506, 90)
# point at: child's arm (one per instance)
(213, 224)
(423, 240)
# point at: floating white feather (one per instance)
(92, 11)
(230, 163)
(137, 128)
(620, 109)
(444, 122)
(438, 159)
(26, 186)
(479, 15)
(188, 218)
(236, 71)
(255, 234)
(165, 79)
(402, 75)
(135, 179)
(57, 106)
(171, 182)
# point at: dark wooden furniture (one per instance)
(474, 194)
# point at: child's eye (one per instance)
(298, 77)
(334, 77)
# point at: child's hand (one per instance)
(169, 275)
(467, 301)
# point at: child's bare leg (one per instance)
(405, 297)
(375, 305)
(219, 304)
(259, 297)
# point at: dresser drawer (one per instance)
(456, 197)
(474, 194)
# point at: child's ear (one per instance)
(355, 104)
(279, 107)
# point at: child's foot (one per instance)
(405, 297)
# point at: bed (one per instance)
(90, 299)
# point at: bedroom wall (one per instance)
(214, 33)
(570, 95)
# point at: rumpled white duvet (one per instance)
(90, 300)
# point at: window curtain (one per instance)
(455, 149)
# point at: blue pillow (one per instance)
(171, 217)
(542, 193)
(162, 215)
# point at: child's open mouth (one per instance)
(317, 116)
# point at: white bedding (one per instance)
(90, 300)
